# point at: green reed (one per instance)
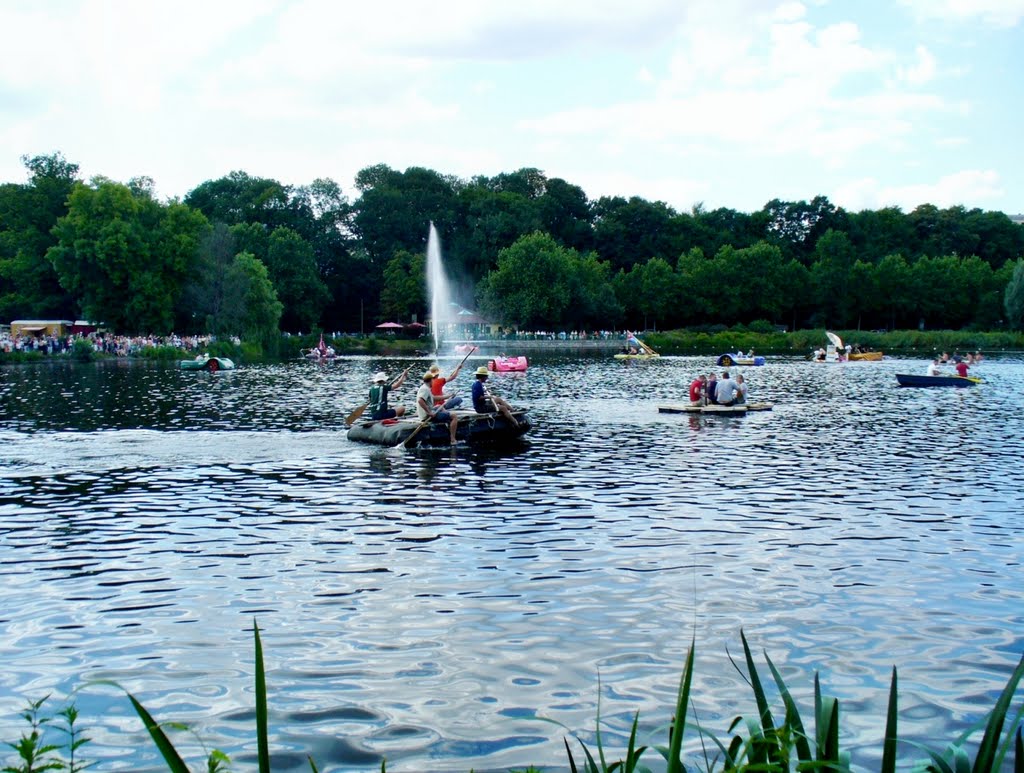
(766, 741)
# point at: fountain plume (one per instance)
(438, 290)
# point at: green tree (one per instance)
(292, 267)
(1014, 297)
(894, 281)
(29, 286)
(592, 303)
(125, 257)
(830, 276)
(259, 313)
(405, 292)
(532, 284)
(491, 221)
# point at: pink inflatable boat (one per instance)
(506, 364)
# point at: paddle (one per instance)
(359, 411)
(407, 443)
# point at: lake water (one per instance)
(428, 607)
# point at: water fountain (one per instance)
(438, 290)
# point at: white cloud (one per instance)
(999, 13)
(921, 71)
(972, 185)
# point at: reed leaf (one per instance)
(174, 761)
(889, 744)
(675, 740)
(755, 683)
(803, 748)
(262, 733)
(983, 762)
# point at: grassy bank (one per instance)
(770, 739)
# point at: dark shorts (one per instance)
(441, 417)
(484, 406)
(390, 413)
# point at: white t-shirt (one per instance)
(424, 394)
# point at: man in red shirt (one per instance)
(697, 390)
(961, 369)
(437, 387)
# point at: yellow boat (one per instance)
(868, 356)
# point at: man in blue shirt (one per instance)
(485, 402)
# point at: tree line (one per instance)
(252, 256)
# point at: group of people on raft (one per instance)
(433, 403)
(711, 390)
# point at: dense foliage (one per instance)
(249, 255)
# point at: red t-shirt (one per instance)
(696, 386)
(961, 369)
(437, 388)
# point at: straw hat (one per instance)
(428, 375)
(482, 371)
(380, 377)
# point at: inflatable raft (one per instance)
(507, 364)
(212, 364)
(715, 410)
(474, 428)
(644, 356)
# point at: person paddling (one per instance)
(426, 411)
(448, 400)
(378, 402)
(485, 402)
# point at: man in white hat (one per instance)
(426, 410)
(379, 396)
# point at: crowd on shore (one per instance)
(115, 345)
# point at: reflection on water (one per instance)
(426, 607)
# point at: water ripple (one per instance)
(428, 607)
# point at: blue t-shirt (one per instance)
(480, 402)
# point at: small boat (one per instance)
(466, 348)
(864, 356)
(474, 428)
(507, 364)
(910, 380)
(728, 360)
(212, 364)
(712, 410)
(316, 355)
(640, 356)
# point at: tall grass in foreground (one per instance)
(760, 743)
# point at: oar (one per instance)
(356, 413)
(359, 411)
(407, 443)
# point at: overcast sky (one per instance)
(729, 103)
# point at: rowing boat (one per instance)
(911, 380)
(713, 410)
